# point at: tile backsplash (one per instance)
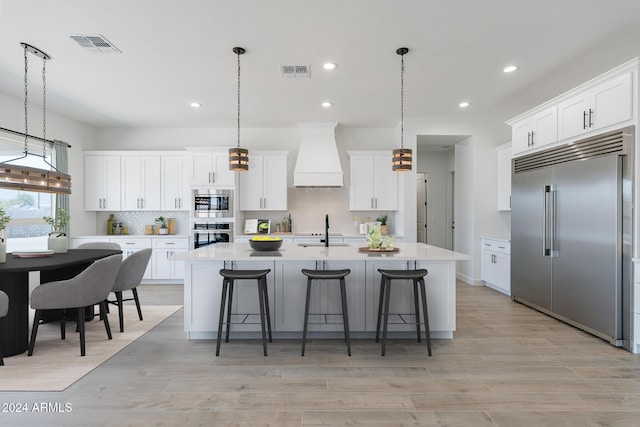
(137, 220)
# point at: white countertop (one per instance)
(132, 236)
(291, 251)
(499, 239)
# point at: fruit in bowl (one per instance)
(265, 243)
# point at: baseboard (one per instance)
(468, 280)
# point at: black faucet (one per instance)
(326, 231)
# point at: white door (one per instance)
(421, 205)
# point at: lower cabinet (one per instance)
(130, 246)
(496, 264)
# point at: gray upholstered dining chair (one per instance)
(91, 286)
(99, 245)
(129, 277)
(4, 308)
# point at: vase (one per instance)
(3, 251)
(384, 230)
(58, 244)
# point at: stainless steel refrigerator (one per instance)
(571, 233)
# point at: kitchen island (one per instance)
(287, 290)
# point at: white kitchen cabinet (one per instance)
(211, 168)
(130, 245)
(373, 184)
(442, 315)
(102, 182)
(596, 107)
(325, 305)
(264, 185)
(140, 182)
(538, 130)
(163, 250)
(504, 177)
(496, 264)
(174, 182)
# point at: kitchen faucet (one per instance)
(326, 231)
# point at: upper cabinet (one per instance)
(102, 182)
(264, 185)
(174, 182)
(140, 182)
(598, 105)
(504, 177)
(373, 184)
(211, 168)
(603, 105)
(536, 131)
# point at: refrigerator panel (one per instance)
(530, 269)
(586, 272)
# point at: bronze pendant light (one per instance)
(238, 157)
(402, 157)
(18, 177)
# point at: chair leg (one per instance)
(417, 306)
(264, 332)
(105, 318)
(221, 317)
(1, 360)
(382, 285)
(306, 315)
(120, 312)
(386, 316)
(135, 298)
(63, 328)
(345, 315)
(34, 331)
(229, 303)
(265, 292)
(81, 329)
(426, 315)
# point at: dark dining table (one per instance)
(14, 280)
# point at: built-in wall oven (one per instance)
(212, 203)
(210, 233)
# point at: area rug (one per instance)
(56, 363)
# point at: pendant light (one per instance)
(402, 157)
(238, 157)
(18, 177)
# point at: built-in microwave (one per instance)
(205, 234)
(212, 203)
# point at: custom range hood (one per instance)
(318, 163)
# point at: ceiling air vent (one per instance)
(295, 71)
(96, 44)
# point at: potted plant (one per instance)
(4, 219)
(161, 225)
(58, 242)
(383, 223)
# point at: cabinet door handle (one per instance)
(142, 203)
(213, 177)
(590, 116)
(532, 133)
(528, 139)
(264, 203)
(584, 119)
(372, 202)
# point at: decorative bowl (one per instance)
(265, 243)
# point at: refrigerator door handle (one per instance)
(554, 220)
(546, 245)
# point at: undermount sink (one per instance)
(304, 245)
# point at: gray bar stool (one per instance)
(227, 295)
(417, 276)
(327, 275)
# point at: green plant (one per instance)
(4, 219)
(59, 222)
(162, 221)
(383, 219)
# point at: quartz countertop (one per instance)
(291, 251)
(131, 236)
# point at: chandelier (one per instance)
(402, 157)
(238, 157)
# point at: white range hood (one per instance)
(318, 163)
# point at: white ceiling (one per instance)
(178, 51)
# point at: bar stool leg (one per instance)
(221, 317)
(306, 315)
(266, 304)
(382, 285)
(345, 315)
(229, 304)
(386, 316)
(426, 315)
(264, 332)
(415, 301)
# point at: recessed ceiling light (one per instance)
(464, 104)
(329, 66)
(327, 104)
(196, 105)
(510, 68)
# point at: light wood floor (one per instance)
(507, 366)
